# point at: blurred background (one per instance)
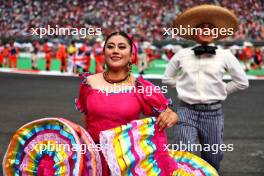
(143, 20)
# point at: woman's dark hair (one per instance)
(129, 39)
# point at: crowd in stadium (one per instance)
(144, 18)
(74, 57)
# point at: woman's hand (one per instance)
(168, 118)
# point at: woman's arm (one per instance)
(155, 104)
(167, 119)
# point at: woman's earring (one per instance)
(129, 67)
(105, 67)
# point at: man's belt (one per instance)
(203, 107)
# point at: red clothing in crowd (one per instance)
(1, 55)
(48, 55)
(62, 55)
(87, 56)
(99, 57)
(5, 55)
(12, 55)
(246, 54)
(149, 54)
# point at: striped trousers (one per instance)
(207, 126)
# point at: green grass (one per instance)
(258, 72)
(25, 64)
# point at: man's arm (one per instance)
(239, 78)
(170, 73)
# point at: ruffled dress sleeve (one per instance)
(151, 98)
(84, 90)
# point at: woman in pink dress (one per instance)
(115, 97)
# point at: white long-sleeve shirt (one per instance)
(199, 79)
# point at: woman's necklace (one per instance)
(112, 81)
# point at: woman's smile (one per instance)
(116, 58)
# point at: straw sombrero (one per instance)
(218, 16)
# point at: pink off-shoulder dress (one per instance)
(105, 111)
(132, 146)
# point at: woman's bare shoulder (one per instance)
(94, 79)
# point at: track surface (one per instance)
(24, 98)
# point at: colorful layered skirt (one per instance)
(52, 146)
(56, 146)
(139, 148)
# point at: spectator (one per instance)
(145, 18)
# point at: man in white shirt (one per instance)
(197, 73)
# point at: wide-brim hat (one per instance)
(219, 17)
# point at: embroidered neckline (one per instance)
(84, 82)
